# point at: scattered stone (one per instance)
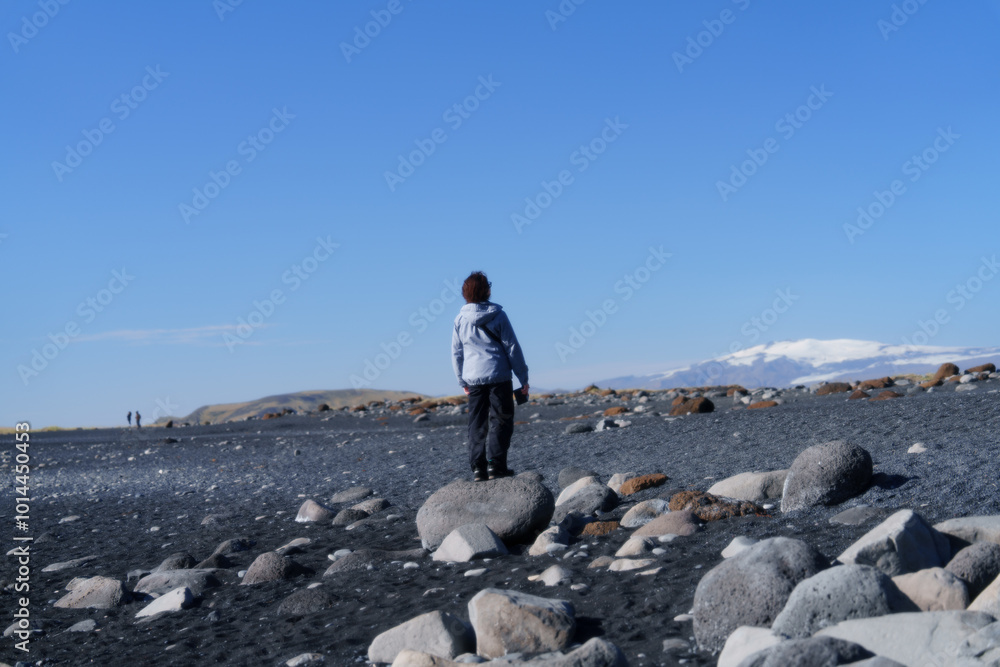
(977, 565)
(599, 528)
(371, 506)
(586, 496)
(838, 594)
(346, 517)
(738, 546)
(615, 411)
(641, 483)
(235, 545)
(513, 507)
(76, 562)
(476, 572)
(900, 544)
(629, 564)
(636, 546)
(370, 559)
(549, 541)
(762, 404)
(750, 588)
(293, 547)
(934, 589)
(579, 428)
(917, 448)
(306, 659)
(811, 651)
(673, 523)
(512, 622)
(857, 395)
(755, 487)
(465, 543)
(616, 481)
(594, 653)
(707, 507)
(88, 625)
(984, 368)
(313, 511)
(833, 388)
(826, 474)
(270, 566)
(855, 516)
(436, 633)
(95, 593)
(693, 406)
(675, 645)
(916, 638)
(886, 395)
(645, 512)
(176, 600)
(306, 601)
(196, 580)
(553, 576)
(571, 474)
(351, 495)
(177, 561)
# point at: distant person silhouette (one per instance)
(138, 419)
(484, 352)
(129, 417)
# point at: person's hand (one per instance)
(465, 389)
(524, 390)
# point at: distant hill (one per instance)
(303, 401)
(809, 361)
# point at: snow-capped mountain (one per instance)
(808, 361)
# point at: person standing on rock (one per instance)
(138, 419)
(129, 417)
(484, 352)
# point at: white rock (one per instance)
(306, 660)
(989, 600)
(739, 544)
(934, 589)
(313, 511)
(436, 633)
(619, 478)
(635, 546)
(476, 572)
(549, 541)
(644, 512)
(744, 642)
(913, 638)
(629, 564)
(473, 540)
(753, 486)
(553, 576)
(900, 544)
(567, 494)
(972, 528)
(917, 448)
(511, 622)
(175, 600)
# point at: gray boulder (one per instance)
(933, 589)
(751, 588)
(435, 633)
(977, 565)
(989, 600)
(578, 427)
(972, 529)
(587, 496)
(313, 511)
(306, 601)
(753, 486)
(351, 495)
(826, 474)
(270, 566)
(818, 651)
(177, 561)
(594, 653)
(371, 559)
(473, 540)
(917, 638)
(514, 508)
(195, 579)
(900, 544)
(511, 622)
(348, 516)
(94, 593)
(838, 594)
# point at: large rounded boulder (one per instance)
(826, 474)
(751, 588)
(514, 508)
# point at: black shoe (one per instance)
(480, 474)
(497, 469)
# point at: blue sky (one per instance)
(178, 163)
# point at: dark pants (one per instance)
(491, 422)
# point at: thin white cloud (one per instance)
(210, 334)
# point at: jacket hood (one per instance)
(479, 313)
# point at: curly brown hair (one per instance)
(476, 288)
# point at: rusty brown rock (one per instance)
(945, 371)
(833, 388)
(887, 395)
(880, 383)
(708, 507)
(983, 368)
(615, 411)
(641, 483)
(762, 404)
(858, 394)
(598, 528)
(695, 405)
